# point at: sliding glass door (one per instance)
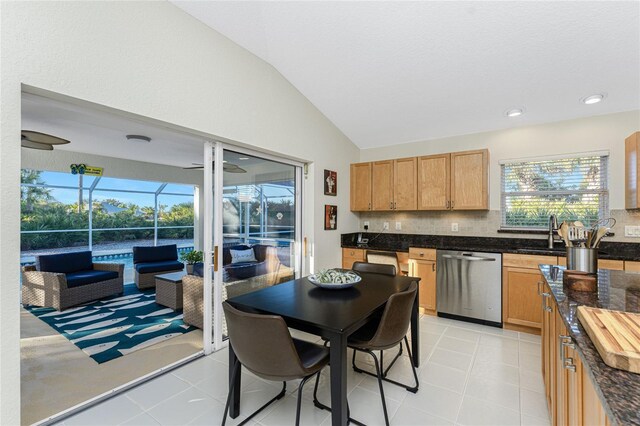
(253, 238)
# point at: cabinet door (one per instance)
(434, 176)
(592, 411)
(547, 343)
(426, 270)
(574, 388)
(560, 373)
(360, 187)
(382, 185)
(405, 175)
(470, 180)
(520, 298)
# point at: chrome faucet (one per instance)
(553, 227)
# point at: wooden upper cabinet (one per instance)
(434, 175)
(382, 185)
(632, 171)
(360, 187)
(405, 172)
(470, 180)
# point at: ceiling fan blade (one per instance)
(26, 143)
(40, 137)
(193, 168)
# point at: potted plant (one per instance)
(190, 258)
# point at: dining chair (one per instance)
(384, 258)
(375, 268)
(389, 332)
(264, 346)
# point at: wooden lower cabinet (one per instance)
(571, 396)
(349, 256)
(521, 288)
(426, 271)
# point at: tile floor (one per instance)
(469, 375)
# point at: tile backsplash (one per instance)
(473, 223)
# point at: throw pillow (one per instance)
(238, 256)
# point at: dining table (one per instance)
(332, 314)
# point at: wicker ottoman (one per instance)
(169, 290)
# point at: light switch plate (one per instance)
(398, 226)
(366, 223)
(454, 227)
(385, 226)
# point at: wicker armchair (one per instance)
(193, 294)
(50, 289)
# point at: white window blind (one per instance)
(571, 188)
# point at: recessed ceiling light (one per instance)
(138, 138)
(514, 112)
(593, 99)
(243, 158)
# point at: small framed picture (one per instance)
(330, 182)
(330, 217)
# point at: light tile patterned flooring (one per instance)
(469, 375)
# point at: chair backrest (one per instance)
(375, 268)
(263, 344)
(145, 254)
(65, 263)
(384, 258)
(395, 319)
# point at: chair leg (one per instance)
(300, 386)
(236, 367)
(379, 376)
(233, 381)
(321, 406)
(412, 389)
(384, 373)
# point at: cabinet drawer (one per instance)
(631, 266)
(615, 265)
(422, 253)
(354, 254)
(527, 260)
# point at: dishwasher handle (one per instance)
(468, 257)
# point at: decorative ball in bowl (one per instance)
(335, 279)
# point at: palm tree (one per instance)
(32, 195)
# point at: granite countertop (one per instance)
(402, 242)
(617, 290)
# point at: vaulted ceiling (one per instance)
(393, 72)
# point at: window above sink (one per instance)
(571, 187)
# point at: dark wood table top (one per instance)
(302, 303)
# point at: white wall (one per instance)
(151, 59)
(605, 132)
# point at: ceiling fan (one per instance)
(37, 140)
(227, 167)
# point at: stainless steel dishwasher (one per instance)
(469, 286)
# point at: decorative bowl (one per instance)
(335, 279)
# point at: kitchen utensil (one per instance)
(563, 231)
(599, 235)
(615, 336)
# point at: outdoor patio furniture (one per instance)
(63, 280)
(265, 261)
(193, 292)
(169, 290)
(151, 261)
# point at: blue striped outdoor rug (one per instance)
(112, 327)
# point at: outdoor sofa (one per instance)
(63, 280)
(151, 261)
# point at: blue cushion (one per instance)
(65, 262)
(198, 269)
(155, 254)
(76, 279)
(167, 265)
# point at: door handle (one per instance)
(539, 291)
(469, 258)
(544, 302)
(304, 246)
(215, 259)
